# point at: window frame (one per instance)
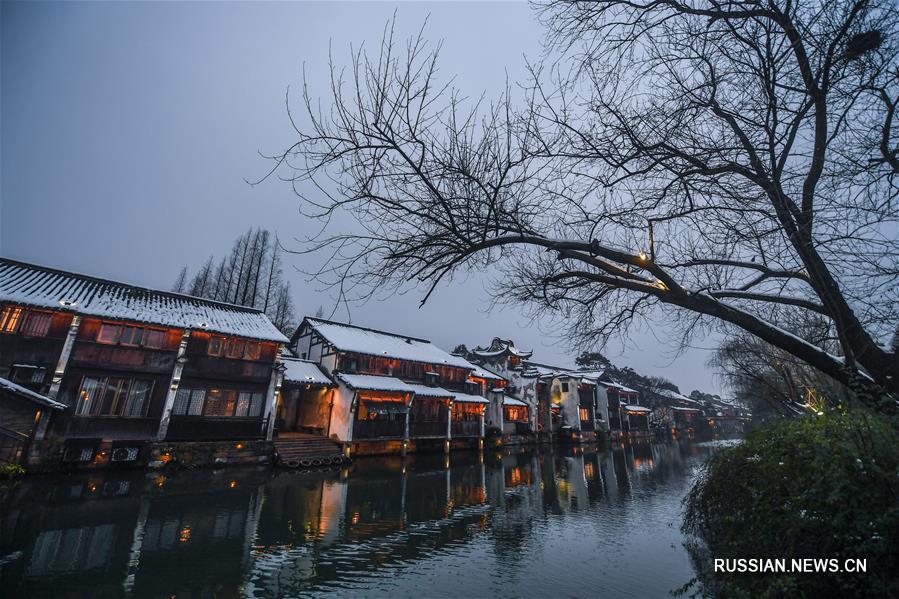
(121, 399)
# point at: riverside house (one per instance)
(130, 375)
(391, 393)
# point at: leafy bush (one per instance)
(815, 487)
(10, 471)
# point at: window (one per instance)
(585, 414)
(216, 346)
(113, 396)
(154, 338)
(10, 320)
(130, 335)
(36, 324)
(252, 351)
(217, 402)
(109, 333)
(564, 387)
(234, 348)
(23, 373)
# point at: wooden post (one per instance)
(175, 381)
(449, 426)
(406, 429)
(273, 394)
(40, 430)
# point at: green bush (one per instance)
(814, 487)
(10, 471)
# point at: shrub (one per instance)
(10, 471)
(813, 487)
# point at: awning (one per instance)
(511, 401)
(628, 408)
(20, 391)
(467, 398)
(368, 382)
(304, 372)
(385, 407)
(425, 391)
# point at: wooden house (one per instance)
(133, 366)
(392, 393)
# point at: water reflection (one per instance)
(563, 522)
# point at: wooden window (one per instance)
(113, 396)
(253, 350)
(9, 322)
(130, 335)
(217, 403)
(216, 346)
(564, 387)
(109, 333)
(255, 405)
(25, 373)
(585, 414)
(36, 324)
(154, 338)
(234, 348)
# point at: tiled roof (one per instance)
(361, 340)
(19, 390)
(42, 287)
(305, 372)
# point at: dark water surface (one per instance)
(559, 523)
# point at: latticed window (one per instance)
(113, 396)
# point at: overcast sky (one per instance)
(127, 131)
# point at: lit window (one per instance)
(234, 348)
(252, 350)
(10, 320)
(109, 333)
(113, 396)
(216, 346)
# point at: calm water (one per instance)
(561, 523)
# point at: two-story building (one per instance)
(392, 393)
(138, 371)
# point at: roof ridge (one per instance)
(172, 294)
(369, 329)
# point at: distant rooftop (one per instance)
(500, 347)
(372, 342)
(42, 287)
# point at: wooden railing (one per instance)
(466, 428)
(427, 429)
(379, 429)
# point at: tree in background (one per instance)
(649, 387)
(251, 275)
(733, 163)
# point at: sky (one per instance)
(128, 132)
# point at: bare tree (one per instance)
(732, 161)
(180, 281)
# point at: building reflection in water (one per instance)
(269, 533)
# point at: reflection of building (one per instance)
(133, 366)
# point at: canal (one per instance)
(566, 522)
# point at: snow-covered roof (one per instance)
(620, 388)
(481, 372)
(679, 409)
(305, 372)
(361, 340)
(511, 401)
(499, 347)
(468, 398)
(425, 391)
(19, 390)
(370, 382)
(630, 408)
(42, 287)
(675, 395)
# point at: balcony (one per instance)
(110, 427)
(427, 429)
(466, 428)
(379, 429)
